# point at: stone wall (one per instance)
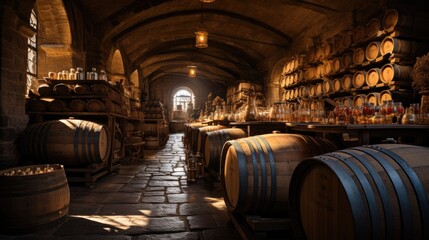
(13, 64)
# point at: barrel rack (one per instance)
(111, 114)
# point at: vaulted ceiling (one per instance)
(158, 35)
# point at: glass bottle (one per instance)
(102, 75)
(80, 75)
(72, 74)
(94, 74)
(251, 111)
(409, 117)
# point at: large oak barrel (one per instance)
(359, 79)
(201, 136)
(70, 142)
(368, 192)
(214, 142)
(255, 171)
(372, 51)
(32, 202)
(395, 72)
(188, 133)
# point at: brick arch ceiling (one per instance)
(158, 35)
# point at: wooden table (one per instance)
(366, 132)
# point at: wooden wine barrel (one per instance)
(385, 95)
(347, 39)
(347, 60)
(45, 90)
(310, 73)
(77, 105)
(359, 79)
(359, 33)
(255, 171)
(214, 142)
(192, 134)
(373, 97)
(318, 89)
(62, 89)
(402, 46)
(70, 142)
(327, 86)
(99, 89)
(94, 105)
(328, 49)
(368, 192)
(82, 89)
(57, 105)
(372, 77)
(337, 65)
(347, 101)
(358, 56)
(410, 21)
(392, 19)
(394, 72)
(33, 202)
(312, 90)
(320, 71)
(346, 82)
(201, 136)
(358, 100)
(320, 52)
(336, 85)
(373, 28)
(372, 50)
(328, 67)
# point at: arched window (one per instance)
(181, 100)
(32, 52)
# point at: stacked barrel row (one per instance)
(83, 97)
(369, 58)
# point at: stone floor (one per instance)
(148, 199)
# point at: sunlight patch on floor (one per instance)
(122, 222)
(217, 203)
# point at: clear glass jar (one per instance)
(94, 74)
(103, 75)
(72, 74)
(80, 75)
(251, 111)
(409, 117)
(387, 110)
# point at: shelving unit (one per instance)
(109, 113)
(362, 55)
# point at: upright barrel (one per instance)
(255, 171)
(71, 142)
(366, 192)
(32, 198)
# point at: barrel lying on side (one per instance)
(368, 192)
(213, 143)
(71, 142)
(255, 171)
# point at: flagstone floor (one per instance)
(147, 199)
